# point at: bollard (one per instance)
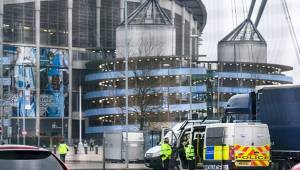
(85, 149)
(54, 149)
(76, 149)
(96, 149)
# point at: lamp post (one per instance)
(190, 80)
(168, 66)
(80, 145)
(126, 79)
(1, 66)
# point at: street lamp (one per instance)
(168, 66)
(126, 78)
(190, 80)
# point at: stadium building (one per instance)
(168, 81)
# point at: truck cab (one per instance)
(237, 146)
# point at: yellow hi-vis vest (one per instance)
(63, 148)
(166, 151)
(189, 152)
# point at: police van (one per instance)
(236, 146)
(177, 136)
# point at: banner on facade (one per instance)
(53, 81)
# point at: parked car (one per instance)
(23, 157)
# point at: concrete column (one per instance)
(37, 45)
(182, 30)
(191, 33)
(173, 11)
(126, 80)
(122, 10)
(70, 48)
(196, 41)
(174, 29)
(1, 65)
(98, 19)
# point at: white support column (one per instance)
(191, 33)
(98, 18)
(191, 60)
(126, 81)
(173, 11)
(122, 10)
(1, 65)
(38, 67)
(196, 40)
(182, 30)
(80, 144)
(70, 48)
(174, 28)
(80, 115)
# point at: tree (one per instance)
(144, 86)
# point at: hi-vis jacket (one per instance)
(166, 151)
(189, 152)
(63, 148)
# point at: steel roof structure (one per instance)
(197, 8)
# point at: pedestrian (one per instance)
(190, 155)
(85, 146)
(62, 150)
(165, 153)
(92, 143)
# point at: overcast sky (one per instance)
(224, 15)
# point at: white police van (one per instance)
(152, 156)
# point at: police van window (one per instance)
(185, 136)
(261, 136)
(214, 136)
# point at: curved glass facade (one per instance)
(225, 79)
(158, 90)
(168, 81)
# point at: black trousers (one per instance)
(166, 164)
(63, 157)
(191, 164)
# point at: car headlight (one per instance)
(156, 154)
(150, 155)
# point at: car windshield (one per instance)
(28, 160)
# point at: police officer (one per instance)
(190, 155)
(62, 150)
(166, 152)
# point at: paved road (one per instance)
(93, 161)
(98, 165)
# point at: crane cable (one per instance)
(244, 10)
(236, 20)
(291, 29)
(232, 15)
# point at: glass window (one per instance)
(33, 160)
